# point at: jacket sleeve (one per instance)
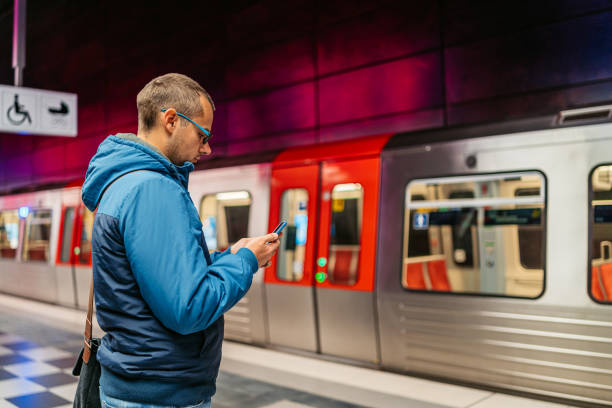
(217, 254)
(162, 236)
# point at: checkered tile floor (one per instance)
(36, 362)
(32, 375)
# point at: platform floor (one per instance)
(39, 344)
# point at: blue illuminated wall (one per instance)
(295, 72)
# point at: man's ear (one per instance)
(169, 120)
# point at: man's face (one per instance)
(185, 143)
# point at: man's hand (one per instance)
(240, 244)
(264, 247)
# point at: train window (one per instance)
(463, 245)
(225, 218)
(292, 250)
(466, 234)
(345, 233)
(530, 244)
(66, 242)
(418, 245)
(84, 251)
(9, 234)
(601, 234)
(38, 232)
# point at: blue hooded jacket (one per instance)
(160, 297)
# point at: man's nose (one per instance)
(205, 149)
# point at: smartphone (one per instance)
(279, 228)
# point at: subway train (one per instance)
(479, 255)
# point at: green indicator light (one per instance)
(320, 277)
(322, 262)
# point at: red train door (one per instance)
(344, 277)
(320, 286)
(289, 280)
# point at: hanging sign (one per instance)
(37, 111)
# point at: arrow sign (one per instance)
(62, 110)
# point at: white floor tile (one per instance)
(10, 338)
(45, 353)
(4, 351)
(509, 401)
(31, 369)
(65, 391)
(5, 404)
(18, 386)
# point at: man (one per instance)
(160, 296)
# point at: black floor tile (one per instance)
(22, 345)
(67, 362)
(53, 380)
(5, 375)
(41, 399)
(13, 359)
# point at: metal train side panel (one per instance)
(559, 344)
(246, 321)
(289, 325)
(33, 279)
(347, 324)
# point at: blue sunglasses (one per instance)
(207, 133)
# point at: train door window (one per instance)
(67, 229)
(225, 218)
(345, 233)
(600, 285)
(292, 250)
(9, 234)
(84, 249)
(38, 231)
(468, 228)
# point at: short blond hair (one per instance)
(173, 90)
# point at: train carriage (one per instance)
(482, 259)
(233, 203)
(480, 254)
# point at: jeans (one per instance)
(110, 402)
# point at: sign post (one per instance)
(37, 111)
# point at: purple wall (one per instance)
(295, 72)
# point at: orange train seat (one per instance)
(434, 269)
(37, 254)
(8, 252)
(601, 282)
(413, 278)
(438, 276)
(343, 265)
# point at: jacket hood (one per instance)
(121, 154)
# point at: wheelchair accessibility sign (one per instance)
(37, 111)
